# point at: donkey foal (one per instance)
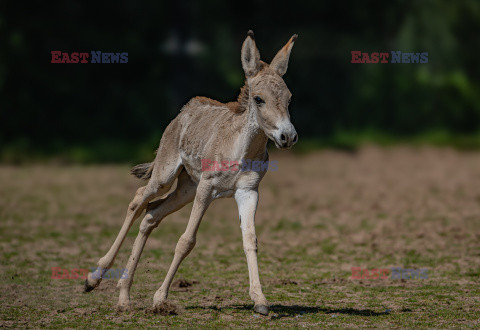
(208, 129)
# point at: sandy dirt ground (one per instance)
(319, 215)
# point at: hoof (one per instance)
(165, 308)
(261, 309)
(87, 287)
(124, 308)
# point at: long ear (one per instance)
(280, 61)
(250, 56)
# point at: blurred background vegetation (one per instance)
(180, 49)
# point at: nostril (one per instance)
(283, 138)
(295, 138)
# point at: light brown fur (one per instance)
(209, 129)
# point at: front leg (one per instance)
(247, 201)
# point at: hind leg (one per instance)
(187, 241)
(166, 169)
(156, 211)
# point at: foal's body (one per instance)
(208, 129)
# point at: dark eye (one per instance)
(258, 100)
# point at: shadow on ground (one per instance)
(280, 311)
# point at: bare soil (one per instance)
(319, 215)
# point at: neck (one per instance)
(252, 136)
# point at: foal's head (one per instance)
(269, 96)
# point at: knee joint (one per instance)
(148, 223)
(185, 244)
(132, 206)
(250, 243)
(247, 249)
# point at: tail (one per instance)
(142, 171)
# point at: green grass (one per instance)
(68, 217)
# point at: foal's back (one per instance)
(205, 129)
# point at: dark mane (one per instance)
(238, 106)
(242, 101)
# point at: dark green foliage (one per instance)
(106, 112)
